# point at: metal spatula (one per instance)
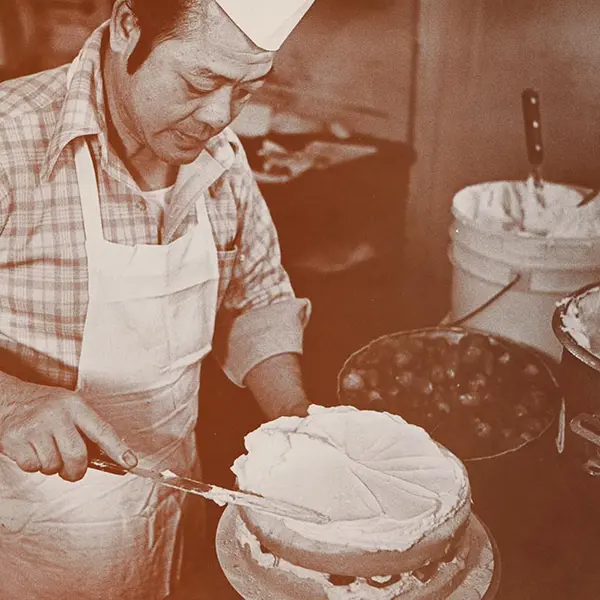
(100, 461)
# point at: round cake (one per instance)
(398, 503)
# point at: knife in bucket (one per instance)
(532, 119)
(100, 461)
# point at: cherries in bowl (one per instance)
(476, 394)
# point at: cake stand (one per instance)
(482, 571)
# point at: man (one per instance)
(132, 240)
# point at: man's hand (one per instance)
(44, 429)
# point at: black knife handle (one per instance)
(533, 126)
(98, 459)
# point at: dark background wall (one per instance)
(476, 56)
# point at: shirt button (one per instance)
(242, 258)
(141, 204)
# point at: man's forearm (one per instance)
(276, 383)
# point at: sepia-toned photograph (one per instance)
(299, 300)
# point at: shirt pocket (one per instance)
(227, 260)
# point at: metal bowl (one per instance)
(579, 375)
(453, 335)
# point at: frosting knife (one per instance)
(221, 496)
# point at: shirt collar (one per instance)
(82, 112)
(223, 148)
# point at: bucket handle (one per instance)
(487, 303)
(586, 426)
(578, 426)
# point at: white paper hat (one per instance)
(268, 23)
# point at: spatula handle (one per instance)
(99, 460)
(533, 126)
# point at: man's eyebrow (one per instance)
(207, 74)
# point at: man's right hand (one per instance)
(44, 429)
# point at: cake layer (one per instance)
(288, 544)
(290, 582)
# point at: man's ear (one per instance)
(124, 29)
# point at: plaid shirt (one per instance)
(43, 265)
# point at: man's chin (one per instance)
(178, 157)
(188, 159)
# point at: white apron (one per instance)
(150, 321)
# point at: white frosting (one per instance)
(219, 496)
(513, 206)
(581, 320)
(571, 323)
(168, 474)
(383, 482)
(357, 590)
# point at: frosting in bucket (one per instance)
(512, 206)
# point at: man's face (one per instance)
(190, 88)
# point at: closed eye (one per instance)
(241, 93)
(198, 91)
(249, 88)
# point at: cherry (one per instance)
(520, 411)
(402, 359)
(422, 386)
(393, 391)
(470, 400)
(472, 355)
(405, 379)
(353, 381)
(483, 430)
(505, 359)
(477, 383)
(531, 370)
(443, 407)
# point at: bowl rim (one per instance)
(567, 341)
(546, 360)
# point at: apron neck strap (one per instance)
(86, 179)
(88, 191)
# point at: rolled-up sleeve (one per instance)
(260, 316)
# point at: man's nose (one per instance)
(216, 110)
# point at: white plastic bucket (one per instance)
(487, 259)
